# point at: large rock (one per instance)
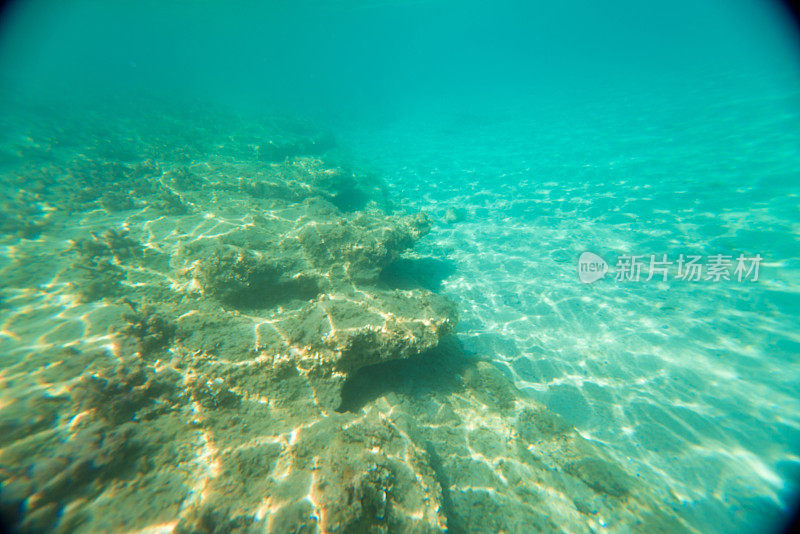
(181, 331)
(212, 333)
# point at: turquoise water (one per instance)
(529, 134)
(690, 382)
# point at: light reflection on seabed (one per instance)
(136, 398)
(691, 385)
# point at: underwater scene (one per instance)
(386, 266)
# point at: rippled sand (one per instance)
(692, 385)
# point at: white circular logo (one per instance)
(591, 267)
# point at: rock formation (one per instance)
(214, 326)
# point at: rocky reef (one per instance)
(221, 326)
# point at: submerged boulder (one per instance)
(219, 291)
(335, 336)
(310, 275)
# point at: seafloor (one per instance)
(691, 385)
(212, 324)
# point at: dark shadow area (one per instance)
(6, 520)
(792, 10)
(793, 524)
(247, 281)
(348, 197)
(5, 7)
(275, 292)
(409, 273)
(438, 371)
(453, 526)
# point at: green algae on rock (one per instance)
(151, 330)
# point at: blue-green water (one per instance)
(529, 134)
